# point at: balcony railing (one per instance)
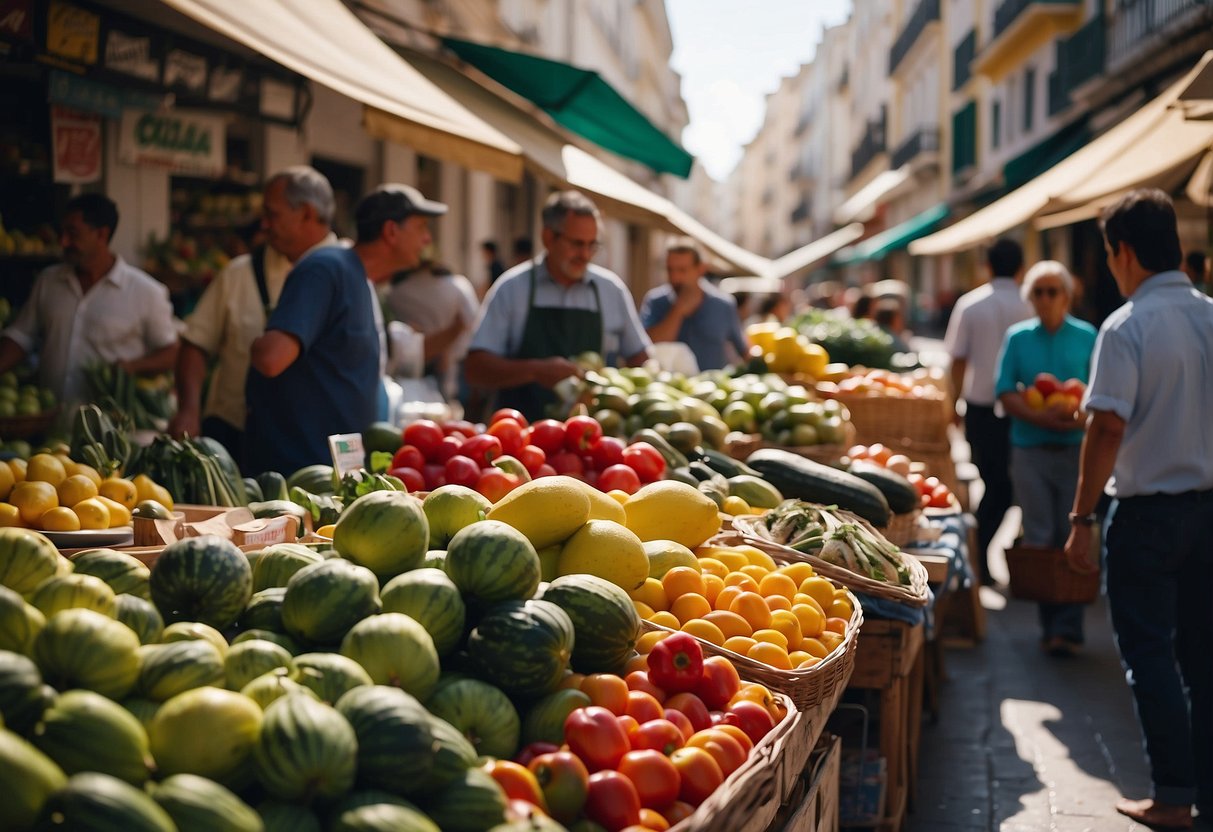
(1079, 59)
(801, 212)
(924, 140)
(1133, 21)
(962, 60)
(1010, 10)
(871, 145)
(926, 12)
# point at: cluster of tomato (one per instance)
(931, 492)
(652, 746)
(498, 458)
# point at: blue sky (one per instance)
(730, 55)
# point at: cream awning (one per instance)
(816, 251)
(324, 41)
(862, 206)
(1128, 140)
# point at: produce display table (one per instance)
(813, 804)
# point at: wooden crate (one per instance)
(813, 805)
(887, 650)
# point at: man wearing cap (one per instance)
(544, 312)
(315, 371)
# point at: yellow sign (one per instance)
(73, 33)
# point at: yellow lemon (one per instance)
(619, 496)
(7, 481)
(160, 494)
(59, 519)
(75, 489)
(93, 514)
(735, 506)
(87, 471)
(820, 590)
(46, 468)
(602, 507)
(18, 467)
(547, 510)
(672, 510)
(10, 515)
(120, 491)
(120, 515)
(144, 486)
(608, 550)
(33, 499)
(326, 531)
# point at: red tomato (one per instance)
(736, 733)
(621, 477)
(413, 479)
(580, 432)
(509, 432)
(508, 413)
(607, 691)
(494, 483)
(629, 724)
(517, 781)
(678, 811)
(725, 750)
(719, 682)
(435, 476)
(449, 446)
(654, 776)
(650, 819)
(424, 435)
(533, 458)
(566, 462)
(699, 774)
(545, 470)
(639, 680)
(681, 722)
(941, 497)
(548, 434)
(607, 451)
(409, 456)
(612, 801)
(516, 810)
(594, 735)
(645, 460)
(462, 471)
(658, 735)
(564, 781)
(693, 707)
(482, 449)
(533, 750)
(643, 706)
(459, 427)
(752, 718)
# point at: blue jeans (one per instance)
(1160, 596)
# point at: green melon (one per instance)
(385, 531)
(85, 649)
(141, 616)
(314, 479)
(284, 641)
(70, 592)
(324, 600)
(20, 622)
(94, 802)
(523, 647)
(604, 618)
(330, 675)
(544, 721)
(482, 713)
(141, 709)
(430, 598)
(434, 559)
(394, 650)
(124, 573)
(194, 631)
(383, 817)
(207, 731)
(274, 685)
(279, 816)
(27, 559)
(249, 659)
(395, 745)
(201, 805)
(453, 755)
(205, 579)
(275, 565)
(27, 778)
(264, 610)
(84, 731)
(169, 669)
(491, 562)
(472, 802)
(449, 508)
(23, 696)
(307, 750)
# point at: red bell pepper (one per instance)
(676, 663)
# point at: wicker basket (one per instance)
(892, 420)
(917, 594)
(902, 528)
(741, 445)
(1043, 575)
(937, 457)
(23, 427)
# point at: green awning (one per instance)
(580, 100)
(1045, 154)
(893, 239)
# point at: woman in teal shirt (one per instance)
(1046, 441)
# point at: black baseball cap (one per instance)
(395, 202)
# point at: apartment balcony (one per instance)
(926, 13)
(922, 145)
(1135, 25)
(1020, 28)
(870, 146)
(962, 60)
(801, 212)
(1079, 59)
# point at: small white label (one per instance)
(347, 452)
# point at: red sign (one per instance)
(76, 138)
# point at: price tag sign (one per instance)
(347, 452)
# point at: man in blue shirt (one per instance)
(691, 310)
(315, 371)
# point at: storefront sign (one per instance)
(76, 140)
(16, 20)
(182, 142)
(96, 97)
(72, 32)
(225, 84)
(131, 55)
(185, 69)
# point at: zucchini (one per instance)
(681, 475)
(803, 479)
(900, 495)
(754, 490)
(673, 457)
(725, 465)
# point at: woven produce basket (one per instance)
(902, 528)
(741, 445)
(1043, 575)
(917, 594)
(937, 457)
(23, 427)
(893, 420)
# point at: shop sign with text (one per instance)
(76, 139)
(182, 142)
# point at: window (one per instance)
(996, 124)
(1029, 98)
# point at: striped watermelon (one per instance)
(85, 731)
(382, 817)
(71, 591)
(249, 659)
(274, 685)
(604, 619)
(307, 750)
(324, 600)
(482, 713)
(23, 696)
(544, 722)
(99, 802)
(284, 641)
(27, 779)
(492, 562)
(20, 622)
(279, 816)
(196, 803)
(141, 709)
(330, 675)
(169, 669)
(275, 565)
(141, 616)
(394, 650)
(453, 755)
(264, 610)
(205, 579)
(123, 573)
(395, 745)
(85, 649)
(523, 647)
(473, 802)
(186, 732)
(385, 531)
(27, 559)
(431, 598)
(194, 631)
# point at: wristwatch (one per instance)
(1083, 519)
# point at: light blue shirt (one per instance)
(1153, 368)
(706, 330)
(1028, 351)
(503, 316)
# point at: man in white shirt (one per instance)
(297, 210)
(975, 334)
(93, 308)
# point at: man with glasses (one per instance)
(543, 313)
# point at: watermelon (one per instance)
(472, 802)
(385, 531)
(85, 649)
(450, 508)
(27, 779)
(71, 591)
(94, 801)
(194, 631)
(273, 685)
(84, 731)
(196, 803)
(544, 722)
(141, 616)
(324, 600)
(330, 675)
(314, 479)
(169, 669)
(491, 562)
(249, 659)
(394, 650)
(482, 713)
(307, 750)
(284, 641)
(604, 618)
(27, 559)
(275, 565)
(279, 816)
(395, 745)
(123, 573)
(431, 598)
(453, 755)
(523, 647)
(141, 709)
(264, 610)
(434, 559)
(383, 817)
(205, 579)
(207, 731)
(23, 696)
(20, 622)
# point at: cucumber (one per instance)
(725, 465)
(672, 456)
(681, 475)
(900, 495)
(804, 479)
(754, 490)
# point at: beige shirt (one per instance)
(228, 318)
(124, 316)
(976, 331)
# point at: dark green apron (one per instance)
(552, 332)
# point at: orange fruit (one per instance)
(812, 622)
(689, 607)
(705, 630)
(18, 467)
(46, 468)
(120, 491)
(757, 557)
(119, 516)
(742, 580)
(75, 489)
(730, 623)
(93, 514)
(711, 566)
(731, 558)
(786, 622)
(778, 602)
(801, 598)
(643, 609)
(770, 654)
(666, 619)
(712, 584)
(814, 648)
(7, 481)
(651, 592)
(637, 662)
(82, 470)
(724, 598)
(807, 663)
(753, 608)
(682, 580)
(755, 572)
(10, 515)
(645, 643)
(771, 636)
(33, 499)
(797, 657)
(775, 583)
(798, 572)
(739, 644)
(836, 625)
(830, 640)
(59, 519)
(820, 589)
(840, 608)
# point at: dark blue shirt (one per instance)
(332, 386)
(706, 330)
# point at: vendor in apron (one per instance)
(542, 313)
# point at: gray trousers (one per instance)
(1044, 479)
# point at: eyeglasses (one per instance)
(592, 246)
(1045, 292)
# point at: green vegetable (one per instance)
(324, 508)
(193, 470)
